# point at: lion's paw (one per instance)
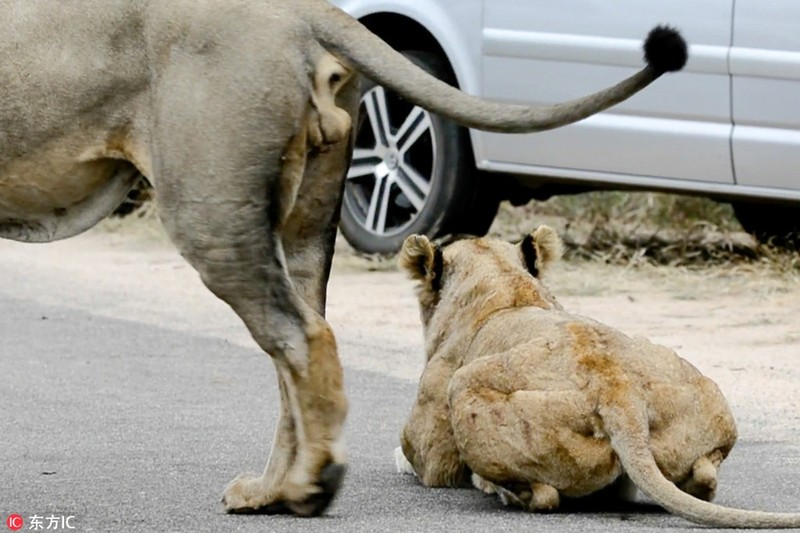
(250, 494)
(702, 482)
(402, 464)
(484, 486)
(311, 499)
(247, 494)
(539, 498)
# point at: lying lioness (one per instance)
(540, 404)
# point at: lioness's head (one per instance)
(476, 277)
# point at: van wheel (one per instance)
(412, 172)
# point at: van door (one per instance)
(765, 63)
(541, 51)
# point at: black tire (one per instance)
(777, 224)
(447, 198)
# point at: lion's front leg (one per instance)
(427, 439)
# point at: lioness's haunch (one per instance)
(539, 404)
(240, 114)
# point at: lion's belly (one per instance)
(32, 194)
(68, 182)
(53, 177)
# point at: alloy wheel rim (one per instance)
(389, 180)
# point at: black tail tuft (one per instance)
(665, 50)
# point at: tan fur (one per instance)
(548, 247)
(329, 123)
(539, 404)
(240, 114)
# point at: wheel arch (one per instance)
(404, 33)
(422, 26)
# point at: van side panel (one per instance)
(533, 52)
(765, 62)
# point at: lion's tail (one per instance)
(628, 428)
(665, 50)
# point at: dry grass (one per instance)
(637, 229)
(632, 243)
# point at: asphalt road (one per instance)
(134, 427)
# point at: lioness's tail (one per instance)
(665, 50)
(628, 428)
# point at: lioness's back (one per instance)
(559, 340)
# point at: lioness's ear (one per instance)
(422, 260)
(540, 249)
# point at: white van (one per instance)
(727, 126)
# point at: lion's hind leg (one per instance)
(226, 185)
(691, 433)
(532, 444)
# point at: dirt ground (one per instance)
(739, 326)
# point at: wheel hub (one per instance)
(392, 159)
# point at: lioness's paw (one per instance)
(508, 498)
(484, 486)
(702, 483)
(402, 464)
(543, 498)
(540, 498)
